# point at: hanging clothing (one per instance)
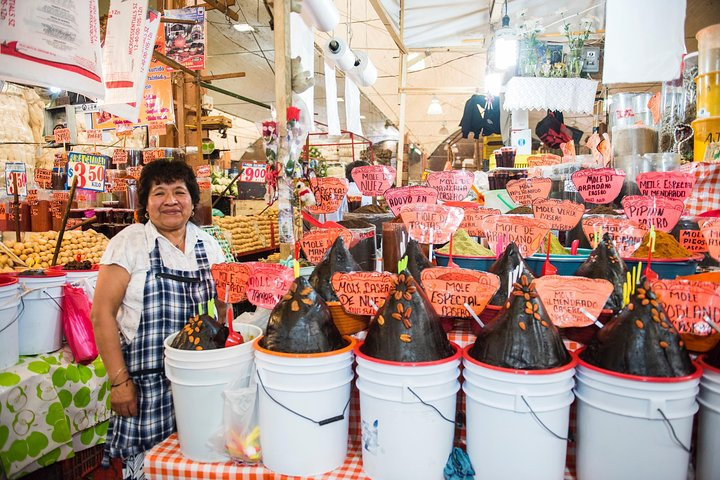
(481, 116)
(170, 297)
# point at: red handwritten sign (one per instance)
(564, 296)
(357, 291)
(711, 231)
(120, 157)
(43, 177)
(661, 212)
(449, 289)
(317, 242)
(526, 190)
(474, 214)
(526, 232)
(231, 279)
(62, 135)
(600, 185)
(373, 180)
(677, 185)
(329, 193)
(451, 185)
(431, 223)
(693, 241)
(544, 160)
(157, 128)
(123, 130)
(268, 283)
(152, 155)
(561, 214)
(134, 172)
(687, 303)
(94, 136)
(626, 233)
(397, 198)
(60, 160)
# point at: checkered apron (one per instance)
(170, 298)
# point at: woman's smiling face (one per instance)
(169, 205)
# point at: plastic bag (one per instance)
(240, 420)
(77, 325)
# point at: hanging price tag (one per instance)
(373, 180)
(60, 160)
(357, 291)
(451, 185)
(43, 177)
(253, 172)
(526, 190)
(89, 170)
(152, 155)
(231, 279)
(564, 296)
(688, 302)
(450, 289)
(120, 157)
(660, 212)
(156, 128)
(397, 198)
(526, 232)
(329, 193)
(134, 172)
(17, 170)
(94, 136)
(62, 135)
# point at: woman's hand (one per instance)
(123, 399)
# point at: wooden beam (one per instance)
(180, 111)
(402, 129)
(387, 21)
(222, 76)
(173, 64)
(220, 5)
(178, 20)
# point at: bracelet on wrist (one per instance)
(129, 379)
(117, 374)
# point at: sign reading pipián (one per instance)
(600, 185)
(268, 283)
(626, 233)
(358, 291)
(527, 233)
(711, 231)
(677, 185)
(561, 214)
(663, 213)
(397, 198)
(431, 223)
(526, 190)
(373, 180)
(231, 279)
(451, 185)
(317, 242)
(564, 296)
(329, 193)
(474, 214)
(450, 289)
(687, 303)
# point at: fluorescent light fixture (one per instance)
(435, 108)
(243, 27)
(340, 99)
(493, 82)
(506, 44)
(362, 117)
(55, 90)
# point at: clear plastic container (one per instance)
(708, 49)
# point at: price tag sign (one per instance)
(329, 193)
(711, 231)
(677, 185)
(231, 279)
(450, 289)
(373, 180)
(120, 157)
(120, 186)
(268, 283)
(317, 242)
(564, 296)
(89, 170)
(473, 216)
(17, 170)
(527, 233)
(203, 171)
(526, 190)
(134, 172)
(431, 223)
(254, 172)
(43, 177)
(693, 241)
(123, 130)
(663, 213)
(687, 303)
(62, 135)
(152, 155)
(626, 233)
(60, 160)
(94, 136)
(544, 160)
(358, 291)
(451, 185)
(157, 128)
(397, 198)
(600, 185)
(561, 214)
(32, 195)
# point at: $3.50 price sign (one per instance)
(16, 169)
(253, 172)
(89, 170)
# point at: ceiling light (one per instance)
(506, 44)
(435, 108)
(243, 27)
(340, 99)
(55, 90)
(362, 117)
(444, 130)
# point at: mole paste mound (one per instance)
(417, 261)
(201, 333)
(640, 340)
(522, 337)
(337, 259)
(605, 263)
(406, 328)
(301, 323)
(508, 262)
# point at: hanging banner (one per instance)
(186, 43)
(52, 44)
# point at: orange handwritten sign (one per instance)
(373, 180)
(449, 289)
(60, 160)
(152, 155)
(626, 233)
(231, 279)
(397, 198)
(677, 185)
(431, 223)
(157, 128)
(317, 242)
(120, 186)
(599, 185)
(94, 136)
(358, 291)
(568, 150)
(687, 303)
(693, 241)
(711, 231)
(134, 172)
(661, 212)
(561, 214)
(43, 177)
(526, 190)
(564, 296)
(62, 135)
(526, 232)
(544, 160)
(123, 130)
(329, 193)
(451, 185)
(119, 157)
(474, 214)
(268, 283)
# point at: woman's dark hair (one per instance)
(350, 166)
(165, 171)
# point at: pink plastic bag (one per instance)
(77, 325)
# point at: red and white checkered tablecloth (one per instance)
(165, 462)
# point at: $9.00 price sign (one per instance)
(253, 172)
(89, 170)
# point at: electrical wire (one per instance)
(240, 10)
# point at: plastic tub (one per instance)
(565, 264)
(708, 94)
(482, 264)
(9, 314)
(708, 49)
(667, 268)
(706, 130)
(708, 440)
(41, 316)
(249, 332)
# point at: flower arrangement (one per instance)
(576, 39)
(528, 31)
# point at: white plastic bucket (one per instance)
(41, 317)
(621, 432)
(197, 384)
(708, 439)
(506, 408)
(402, 436)
(85, 279)
(9, 314)
(304, 409)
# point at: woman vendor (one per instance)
(153, 277)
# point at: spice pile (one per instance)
(665, 247)
(463, 244)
